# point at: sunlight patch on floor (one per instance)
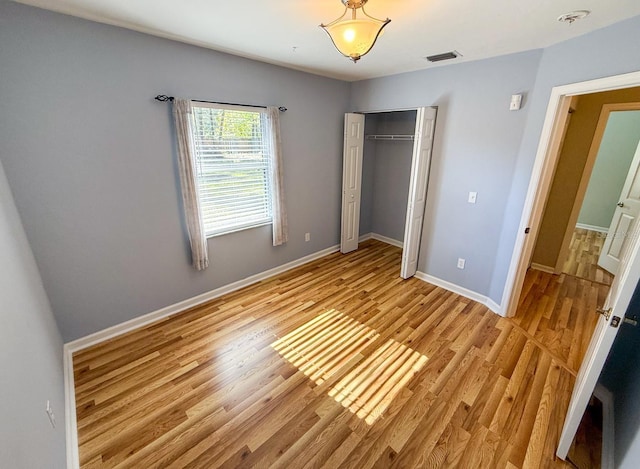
(322, 346)
(370, 387)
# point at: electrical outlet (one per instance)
(461, 263)
(472, 197)
(51, 415)
(307, 237)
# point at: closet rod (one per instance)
(390, 137)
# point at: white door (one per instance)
(626, 212)
(425, 125)
(606, 330)
(351, 181)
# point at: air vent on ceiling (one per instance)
(445, 56)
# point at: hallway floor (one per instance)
(584, 251)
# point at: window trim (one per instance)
(248, 226)
(242, 226)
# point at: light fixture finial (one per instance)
(354, 36)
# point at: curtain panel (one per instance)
(280, 224)
(183, 117)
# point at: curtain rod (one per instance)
(163, 98)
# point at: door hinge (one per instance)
(526, 230)
(605, 312)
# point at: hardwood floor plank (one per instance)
(582, 261)
(330, 430)
(427, 433)
(371, 434)
(525, 425)
(341, 453)
(534, 454)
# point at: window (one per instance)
(233, 167)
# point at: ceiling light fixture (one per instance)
(354, 36)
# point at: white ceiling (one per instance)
(268, 30)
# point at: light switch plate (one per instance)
(51, 415)
(516, 102)
(472, 197)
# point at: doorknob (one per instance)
(620, 204)
(605, 312)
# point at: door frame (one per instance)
(594, 149)
(541, 177)
(566, 107)
(418, 189)
(416, 109)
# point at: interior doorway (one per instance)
(614, 306)
(586, 210)
(545, 168)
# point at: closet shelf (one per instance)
(390, 137)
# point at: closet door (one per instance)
(425, 125)
(351, 181)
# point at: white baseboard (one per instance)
(608, 432)
(475, 296)
(600, 229)
(71, 424)
(385, 239)
(127, 326)
(495, 307)
(452, 287)
(71, 429)
(379, 237)
(543, 268)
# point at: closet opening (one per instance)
(385, 174)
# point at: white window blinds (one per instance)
(233, 167)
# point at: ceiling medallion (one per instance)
(573, 16)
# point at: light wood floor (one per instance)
(339, 363)
(584, 251)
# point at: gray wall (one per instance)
(386, 171)
(476, 144)
(30, 353)
(392, 174)
(610, 170)
(608, 51)
(368, 172)
(90, 158)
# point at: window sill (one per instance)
(238, 228)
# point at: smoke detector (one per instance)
(573, 16)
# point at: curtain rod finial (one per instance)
(163, 98)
